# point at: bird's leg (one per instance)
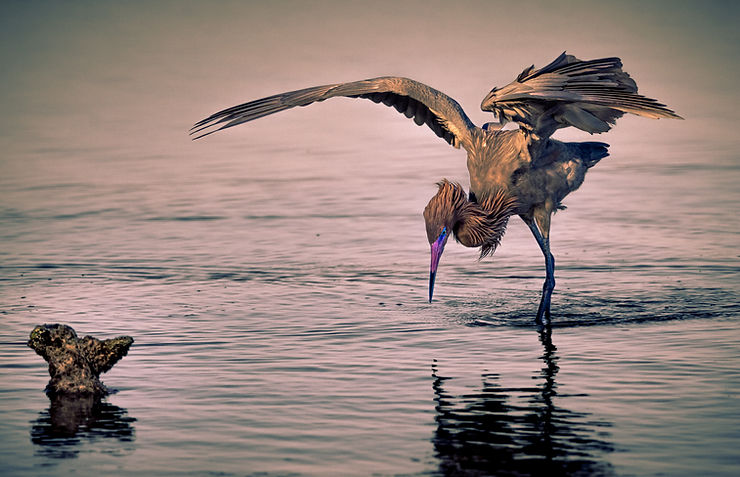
(541, 231)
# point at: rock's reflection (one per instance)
(60, 430)
(517, 431)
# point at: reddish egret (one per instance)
(520, 172)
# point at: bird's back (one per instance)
(535, 173)
(495, 158)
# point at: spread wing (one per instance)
(588, 95)
(423, 104)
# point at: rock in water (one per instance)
(75, 364)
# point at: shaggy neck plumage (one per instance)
(478, 223)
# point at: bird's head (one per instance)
(441, 217)
(480, 222)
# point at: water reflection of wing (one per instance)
(68, 423)
(487, 433)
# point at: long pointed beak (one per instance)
(437, 248)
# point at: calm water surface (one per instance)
(281, 325)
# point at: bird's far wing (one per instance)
(423, 104)
(589, 95)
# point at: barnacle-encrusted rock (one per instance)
(75, 364)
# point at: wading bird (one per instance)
(520, 172)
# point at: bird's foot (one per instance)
(543, 315)
(543, 311)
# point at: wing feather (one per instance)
(417, 101)
(589, 95)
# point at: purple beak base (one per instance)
(437, 248)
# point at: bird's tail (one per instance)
(592, 152)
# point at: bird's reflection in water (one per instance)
(60, 430)
(489, 433)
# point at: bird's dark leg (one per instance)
(541, 231)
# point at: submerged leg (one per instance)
(541, 230)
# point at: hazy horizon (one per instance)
(76, 72)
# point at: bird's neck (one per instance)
(482, 222)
